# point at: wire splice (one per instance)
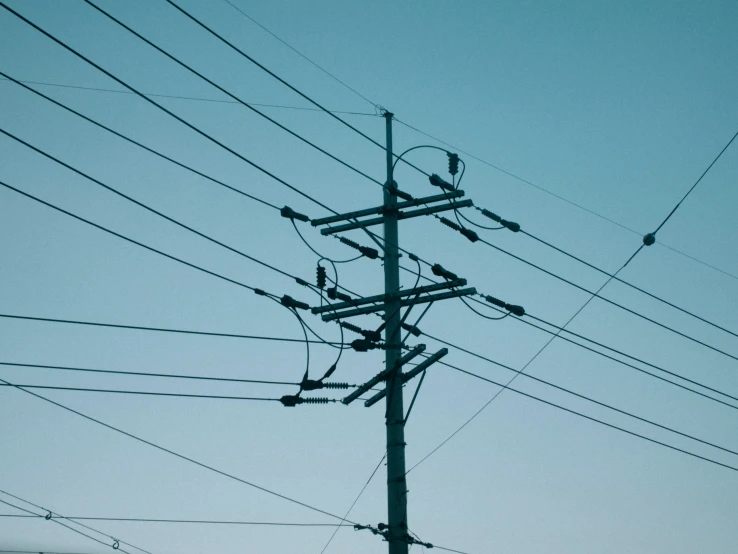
(649, 239)
(440, 271)
(514, 227)
(260, 292)
(292, 400)
(289, 213)
(290, 302)
(436, 181)
(412, 329)
(321, 277)
(468, 233)
(453, 163)
(512, 308)
(370, 253)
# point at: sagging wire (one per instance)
(481, 314)
(321, 256)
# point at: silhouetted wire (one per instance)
(618, 279)
(146, 374)
(281, 80)
(181, 456)
(341, 524)
(146, 206)
(581, 415)
(624, 308)
(697, 182)
(140, 393)
(321, 256)
(508, 173)
(157, 329)
(73, 529)
(182, 521)
(140, 145)
(303, 56)
(231, 95)
(481, 314)
(176, 97)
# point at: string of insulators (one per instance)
(289, 213)
(321, 277)
(312, 384)
(292, 400)
(364, 345)
(512, 308)
(374, 336)
(453, 163)
(468, 233)
(334, 293)
(514, 227)
(370, 253)
(392, 189)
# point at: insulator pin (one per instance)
(289, 213)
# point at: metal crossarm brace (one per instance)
(403, 303)
(380, 209)
(381, 297)
(382, 375)
(400, 215)
(422, 366)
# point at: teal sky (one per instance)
(615, 106)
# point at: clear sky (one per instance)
(615, 106)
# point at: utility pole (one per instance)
(396, 485)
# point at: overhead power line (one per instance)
(210, 468)
(191, 98)
(182, 521)
(161, 329)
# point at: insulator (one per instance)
(392, 189)
(436, 181)
(495, 301)
(292, 303)
(292, 400)
(512, 308)
(316, 401)
(371, 253)
(449, 223)
(453, 163)
(336, 385)
(649, 239)
(342, 296)
(289, 213)
(363, 345)
(413, 257)
(440, 271)
(491, 215)
(351, 327)
(321, 277)
(412, 329)
(511, 225)
(349, 242)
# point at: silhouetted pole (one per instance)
(396, 489)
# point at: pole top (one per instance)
(386, 113)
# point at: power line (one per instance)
(542, 189)
(633, 433)
(229, 94)
(181, 456)
(192, 98)
(158, 329)
(135, 392)
(144, 374)
(182, 521)
(115, 544)
(303, 56)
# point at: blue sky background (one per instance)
(618, 107)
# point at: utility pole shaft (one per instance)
(396, 486)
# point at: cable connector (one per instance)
(468, 233)
(439, 270)
(514, 227)
(374, 336)
(334, 293)
(649, 239)
(312, 384)
(292, 303)
(512, 308)
(453, 163)
(364, 345)
(289, 213)
(436, 181)
(393, 190)
(261, 292)
(370, 253)
(292, 400)
(321, 276)
(302, 282)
